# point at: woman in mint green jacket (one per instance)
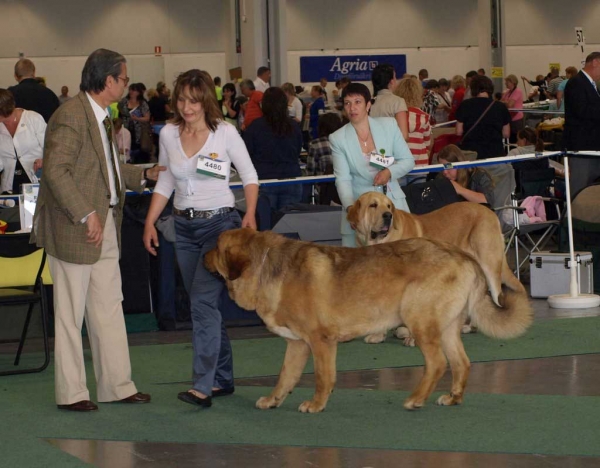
(369, 154)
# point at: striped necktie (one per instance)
(108, 128)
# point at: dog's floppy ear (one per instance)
(236, 261)
(352, 215)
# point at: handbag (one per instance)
(429, 196)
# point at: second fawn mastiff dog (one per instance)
(315, 296)
(471, 227)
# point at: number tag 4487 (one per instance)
(380, 161)
(213, 167)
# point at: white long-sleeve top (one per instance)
(29, 144)
(198, 191)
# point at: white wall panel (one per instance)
(380, 24)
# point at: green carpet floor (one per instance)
(260, 357)
(551, 425)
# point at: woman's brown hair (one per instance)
(200, 86)
(452, 154)
(7, 103)
(528, 134)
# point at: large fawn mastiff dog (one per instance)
(471, 227)
(315, 296)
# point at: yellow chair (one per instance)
(22, 269)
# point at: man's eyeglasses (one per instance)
(125, 80)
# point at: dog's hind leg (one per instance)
(428, 341)
(324, 355)
(296, 355)
(459, 363)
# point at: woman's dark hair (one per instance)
(528, 134)
(381, 77)
(431, 84)
(481, 84)
(444, 82)
(199, 85)
(230, 87)
(275, 111)
(101, 64)
(359, 89)
(140, 88)
(328, 123)
(7, 103)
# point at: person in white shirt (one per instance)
(21, 144)
(77, 221)
(263, 77)
(294, 104)
(198, 148)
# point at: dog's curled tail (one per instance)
(509, 321)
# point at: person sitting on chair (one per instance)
(472, 184)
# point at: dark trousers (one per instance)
(282, 196)
(212, 360)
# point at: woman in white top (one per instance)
(198, 148)
(386, 103)
(294, 104)
(21, 144)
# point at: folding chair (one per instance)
(20, 286)
(521, 236)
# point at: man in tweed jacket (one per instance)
(78, 220)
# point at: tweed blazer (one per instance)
(75, 183)
(352, 176)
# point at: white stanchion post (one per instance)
(573, 300)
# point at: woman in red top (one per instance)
(419, 128)
(458, 84)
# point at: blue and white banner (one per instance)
(354, 67)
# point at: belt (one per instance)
(191, 213)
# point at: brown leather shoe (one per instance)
(137, 398)
(83, 405)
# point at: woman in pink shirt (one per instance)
(513, 98)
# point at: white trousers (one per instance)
(94, 292)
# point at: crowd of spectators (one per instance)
(417, 103)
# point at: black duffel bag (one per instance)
(429, 196)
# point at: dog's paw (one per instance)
(467, 329)
(401, 333)
(374, 339)
(267, 402)
(412, 404)
(409, 342)
(310, 407)
(449, 400)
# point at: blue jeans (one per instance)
(283, 195)
(212, 363)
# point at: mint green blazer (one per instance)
(352, 176)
